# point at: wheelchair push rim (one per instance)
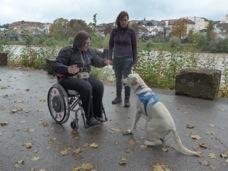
(58, 104)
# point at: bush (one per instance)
(174, 42)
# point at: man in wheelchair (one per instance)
(74, 65)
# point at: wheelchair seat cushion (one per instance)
(72, 93)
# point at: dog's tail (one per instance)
(181, 147)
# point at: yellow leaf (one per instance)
(35, 158)
(123, 161)
(116, 129)
(87, 166)
(160, 167)
(93, 145)
(195, 137)
(212, 155)
(77, 151)
(27, 145)
(203, 145)
(131, 142)
(76, 169)
(64, 151)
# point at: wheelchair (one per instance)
(62, 102)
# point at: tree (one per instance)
(209, 30)
(73, 26)
(179, 28)
(59, 28)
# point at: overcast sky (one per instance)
(107, 10)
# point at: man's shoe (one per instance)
(117, 100)
(126, 103)
(91, 122)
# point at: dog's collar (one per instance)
(138, 88)
(141, 89)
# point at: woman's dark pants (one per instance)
(122, 68)
(91, 94)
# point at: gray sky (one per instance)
(107, 10)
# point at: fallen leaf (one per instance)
(212, 125)
(28, 145)
(42, 170)
(212, 155)
(160, 167)
(204, 163)
(74, 134)
(13, 110)
(51, 140)
(19, 163)
(45, 124)
(3, 124)
(85, 145)
(126, 132)
(87, 166)
(189, 126)
(116, 129)
(29, 130)
(64, 151)
(222, 155)
(123, 161)
(195, 137)
(76, 169)
(93, 145)
(77, 151)
(35, 158)
(131, 142)
(203, 145)
(143, 146)
(165, 148)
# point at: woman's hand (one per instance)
(73, 69)
(108, 62)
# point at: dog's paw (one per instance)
(127, 132)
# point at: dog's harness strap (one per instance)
(148, 97)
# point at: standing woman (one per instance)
(123, 52)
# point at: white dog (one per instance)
(159, 121)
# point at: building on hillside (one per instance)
(104, 29)
(225, 20)
(221, 30)
(33, 27)
(201, 23)
(168, 26)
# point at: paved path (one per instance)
(50, 146)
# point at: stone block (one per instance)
(3, 59)
(201, 83)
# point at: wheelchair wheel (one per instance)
(74, 124)
(58, 103)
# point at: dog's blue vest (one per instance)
(148, 97)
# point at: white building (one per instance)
(201, 23)
(225, 20)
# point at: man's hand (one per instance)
(73, 69)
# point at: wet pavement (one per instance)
(31, 140)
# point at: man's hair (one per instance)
(80, 39)
(121, 15)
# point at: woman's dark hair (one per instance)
(80, 39)
(121, 15)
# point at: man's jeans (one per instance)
(122, 68)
